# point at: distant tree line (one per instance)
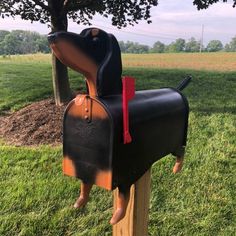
(25, 42)
(179, 45)
(22, 42)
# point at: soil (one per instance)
(38, 123)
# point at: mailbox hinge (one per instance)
(86, 104)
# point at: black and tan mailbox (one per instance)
(112, 135)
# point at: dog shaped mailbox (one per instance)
(95, 147)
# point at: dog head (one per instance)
(95, 54)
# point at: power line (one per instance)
(136, 33)
(140, 33)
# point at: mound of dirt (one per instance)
(38, 123)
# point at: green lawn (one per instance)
(36, 199)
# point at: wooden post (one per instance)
(135, 222)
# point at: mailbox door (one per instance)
(87, 142)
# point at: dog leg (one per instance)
(122, 203)
(178, 164)
(84, 195)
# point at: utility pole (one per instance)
(201, 42)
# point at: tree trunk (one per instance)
(61, 85)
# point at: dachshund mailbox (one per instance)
(106, 140)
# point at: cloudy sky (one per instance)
(171, 19)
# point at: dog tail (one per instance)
(184, 83)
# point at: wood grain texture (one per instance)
(135, 222)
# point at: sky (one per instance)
(171, 19)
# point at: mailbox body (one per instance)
(93, 136)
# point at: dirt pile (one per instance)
(38, 123)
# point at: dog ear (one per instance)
(86, 32)
(108, 58)
(109, 72)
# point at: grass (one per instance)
(197, 61)
(36, 199)
(219, 61)
(20, 85)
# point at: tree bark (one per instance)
(61, 85)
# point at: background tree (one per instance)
(231, 46)
(3, 33)
(192, 45)
(131, 47)
(12, 42)
(22, 42)
(56, 13)
(171, 47)
(122, 46)
(177, 46)
(42, 45)
(227, 47)
(214, 46)
(158, 47)
(137, 48)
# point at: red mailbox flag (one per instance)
(127, 94)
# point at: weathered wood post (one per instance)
(135, 222)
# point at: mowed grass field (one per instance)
(36, 199)
(219, 61)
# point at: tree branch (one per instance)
(45, 7)
(70, 6)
